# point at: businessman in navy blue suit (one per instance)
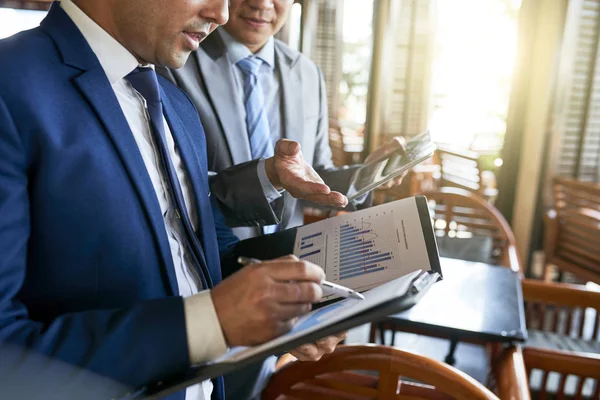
(109, 228)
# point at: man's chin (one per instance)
(178, 60)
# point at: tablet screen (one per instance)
(372, 175)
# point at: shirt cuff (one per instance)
(204, 335)
(269, 190)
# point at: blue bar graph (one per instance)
(310, 254)
(357, 254)
(312, 236)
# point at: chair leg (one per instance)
(372, 332)
(450, 359)
(381, 333)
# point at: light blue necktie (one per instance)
(257, 122)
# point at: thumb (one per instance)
(287, 148)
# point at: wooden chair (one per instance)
(572, 193)
(509, 374)
(336, 377)
(572, 230)
(571, 242)
(459, 212)
(563, 323)
(461, 169)
(578, 375)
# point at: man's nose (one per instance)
(215, 11)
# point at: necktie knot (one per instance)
(250, 65)
(144, 80)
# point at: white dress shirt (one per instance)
(205, 338)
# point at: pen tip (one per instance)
(358, 296)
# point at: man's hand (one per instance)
(288, 170)
(314, 351)
(262, 301)
(398, 143)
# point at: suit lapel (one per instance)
(199, 182)
(216, 70)
(291, 85)
(96, 89)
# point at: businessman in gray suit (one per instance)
(294, 99)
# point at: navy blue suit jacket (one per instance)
(86, 274)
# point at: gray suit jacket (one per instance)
(209, 81)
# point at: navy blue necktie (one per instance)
(144, 80)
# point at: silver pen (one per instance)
(331, 287)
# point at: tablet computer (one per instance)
(372, 175)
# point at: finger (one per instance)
(342, 335)
(328, 345)
(295, 292)
(302, 188)
(287, 148)
(334, 199)
(289, 257)
(307, 352)
(330, 342)
(294, 271)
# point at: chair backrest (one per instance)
(579, 374)
(461, 169)
(571, 240)
(334, 377)
(457, 212)
(573, 193)
(563, 321)
(572, 311)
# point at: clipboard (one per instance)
(419, 284)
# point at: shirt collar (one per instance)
(238, 51)
(115, 59)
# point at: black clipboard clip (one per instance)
(423, 282)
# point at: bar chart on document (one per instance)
(355, 250)
(365, 251)
(364, 248)
(312, 248)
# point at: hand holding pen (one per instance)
(330, 287)
(263, 301)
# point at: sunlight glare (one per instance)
(473, 64)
